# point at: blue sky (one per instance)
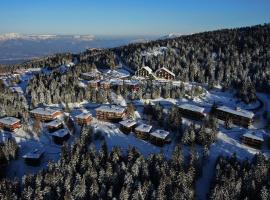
(129, 17)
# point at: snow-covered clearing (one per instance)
(114, 137)
(228, 142)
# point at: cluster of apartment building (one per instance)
(157, 137)
(237, 116)
(95, 79)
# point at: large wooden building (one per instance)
(142, 131)
(160, 137)
(84, 119)
(238, 116)
(191, 111)
(110, 113)
(45, 114)
(164, 73)
(127, 126)
(145, 72)
(253, 138)
(10, 123)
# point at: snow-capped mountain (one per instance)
(15, 47)
(171, 35)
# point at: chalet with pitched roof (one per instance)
(164, 73)
(145, 72)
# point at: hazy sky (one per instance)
(129, 17)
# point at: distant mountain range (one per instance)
(16, 48)
(17, 36)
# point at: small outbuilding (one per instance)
(60, 136)
(127, 126)
(160, 137)
(84, 119)
(54, 125)
(34, 157)
(142, 131)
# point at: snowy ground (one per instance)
(228, 142)
(114, 137)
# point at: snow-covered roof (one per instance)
(4, 137)
(191, 107)
(55, 123)
(147, 69)
(60, 133)
(44, 111)
(162, 134)
(128, 123)
(111, 108)
(93, 81)
(116, 82)
(131, 82)
(82, 84)
(255, 135)
(239, 112)
(91, 74)
(83, 116)
(9, 120)
(35, 154)
(118, 73)
(105, 81)
(165, 69)
(143, 128)
(33, 70)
